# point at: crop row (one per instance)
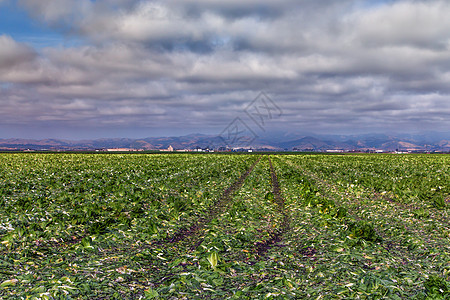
(227, 259)
(410, 179)
(375, 247)
(66, 218)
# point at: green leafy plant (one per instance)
(341, 212)
(436, 287)
(439, 201)
(86, 243)
(269, 196)
(365, 231)
(213, 259)
(421, 213)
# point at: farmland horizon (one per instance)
(274, 141)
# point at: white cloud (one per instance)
(411, 23)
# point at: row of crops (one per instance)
(370, 243)
(73, 225)
(177, 226)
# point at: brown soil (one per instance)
(263, 247)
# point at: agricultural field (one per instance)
(218, 226)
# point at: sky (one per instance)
(79, 69)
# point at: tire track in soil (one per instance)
(192, 232)
(214, 210)
(263, 247)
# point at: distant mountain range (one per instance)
(370, 142)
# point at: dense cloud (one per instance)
(13, 54)
(190, 65)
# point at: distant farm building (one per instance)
(169, 149)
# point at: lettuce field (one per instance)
(218, 226)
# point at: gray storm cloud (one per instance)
(13, 54)
(337, 65)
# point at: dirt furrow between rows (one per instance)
(263, 247)
(213, 211)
